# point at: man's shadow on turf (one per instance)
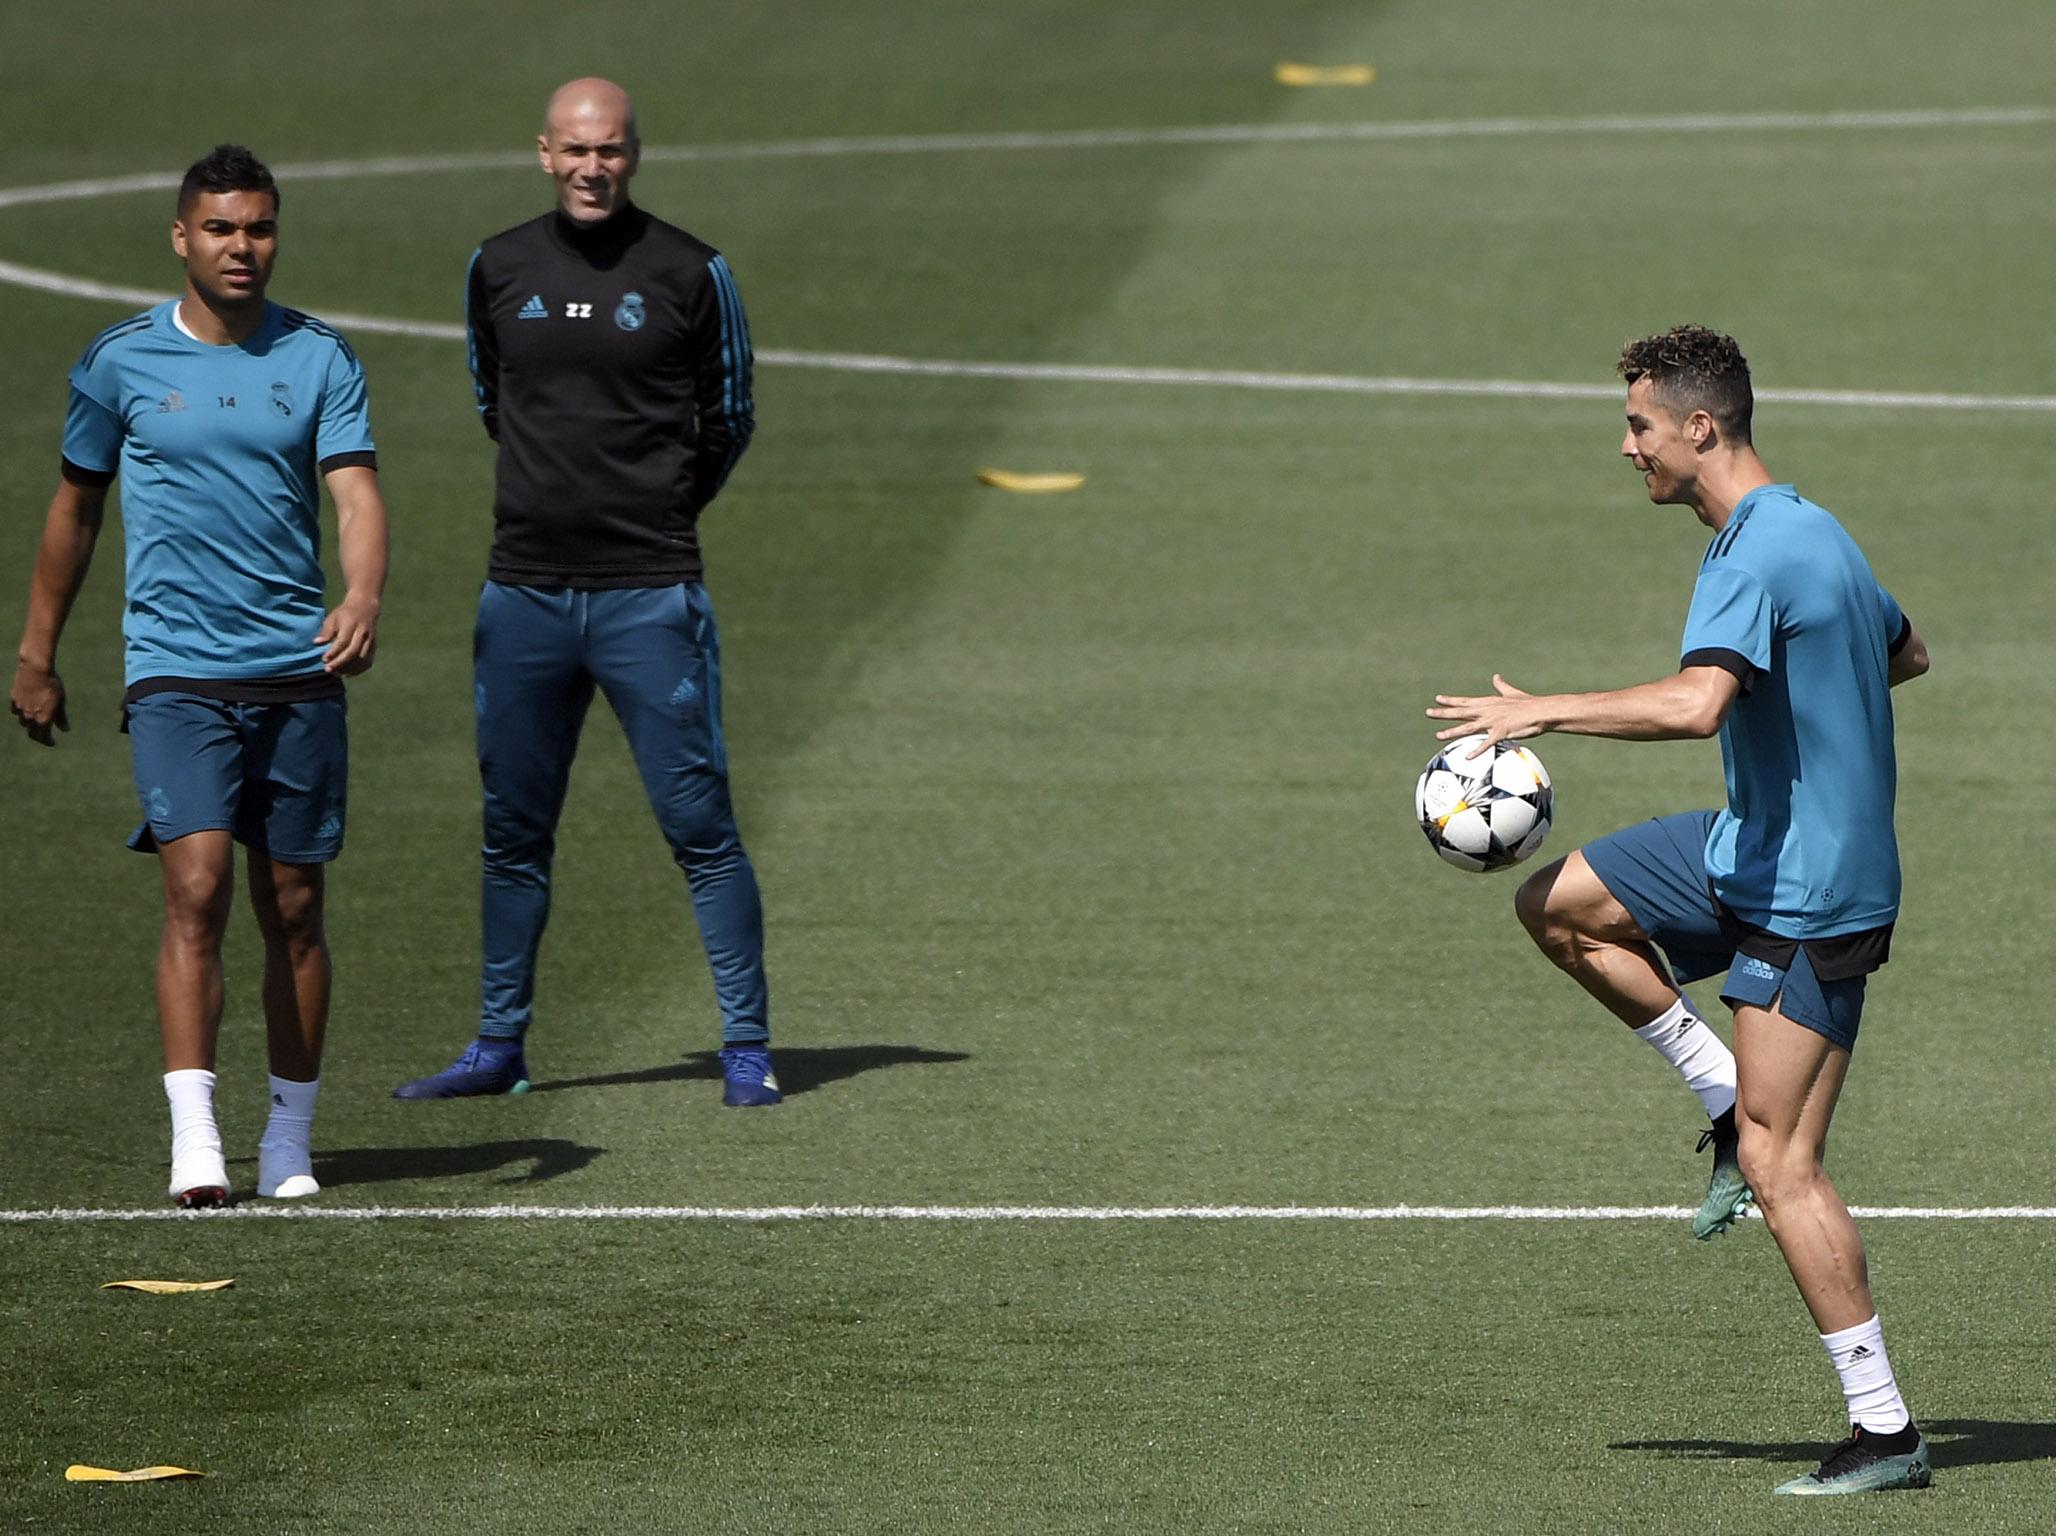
(1951, 1443)
(801, 1068)
(546, 1157)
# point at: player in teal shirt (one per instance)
(1786, 601)
(223, 416)
(1790, 651)
(245, 432)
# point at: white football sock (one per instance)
(191, 1096)
(285, 1159)
(1682, 1038)
(1858, 1355)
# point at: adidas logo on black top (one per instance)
(534, 309)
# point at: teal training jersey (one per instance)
(219, 451)
(1786, 600)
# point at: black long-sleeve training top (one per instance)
(613, 369)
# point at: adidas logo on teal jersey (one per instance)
(534, 309)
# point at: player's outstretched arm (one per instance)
(1689, 705)
(70, 530)
(351, 629)
(1909, 661)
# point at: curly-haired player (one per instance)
(1790, 649)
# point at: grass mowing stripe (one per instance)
(987, 1213)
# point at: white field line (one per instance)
(982, 1213)
(114, 293)
(1289, 133)
(1092, 373)
(1915, 119)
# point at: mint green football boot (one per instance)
(1728, 1194)
(1867, 1463)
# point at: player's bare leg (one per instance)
(199, 883)
(1790, 1080)
(287, 899)
(1586, 933)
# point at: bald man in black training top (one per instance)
(612, 364)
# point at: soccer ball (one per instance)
(1484, 812)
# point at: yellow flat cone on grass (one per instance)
(1324, 74)
(1008, 480)
(79, 1473)
(167, 1287)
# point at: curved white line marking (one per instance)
(1090, 373)
(988, 1213)
(1119, 138)
(1254, 133)
(1369, 384)
(116, 293)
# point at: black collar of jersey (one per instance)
(602, 243)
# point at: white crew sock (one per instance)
(1708, 1067)
(191, 1096)
(285, 1157)
(1858, 1355)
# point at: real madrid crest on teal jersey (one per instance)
(628, 314)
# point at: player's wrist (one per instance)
(28, 662)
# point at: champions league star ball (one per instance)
(1484, 812)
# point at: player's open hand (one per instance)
(37, 701)
(350, 633)
(1506, 714)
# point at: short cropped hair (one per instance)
(1692, 369)
(226, 168)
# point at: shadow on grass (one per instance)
(801, 1069)
(546, 1157)
(1951, 1443)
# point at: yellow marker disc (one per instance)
(1008, 480)
(1324, 74)
(78, 1473)
(167, 1287)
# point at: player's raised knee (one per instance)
(1535, 905)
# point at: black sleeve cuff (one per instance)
(1905, 634)
(92, 479)
(349, 461)
(1726, 660)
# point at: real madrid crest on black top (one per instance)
(611, 437)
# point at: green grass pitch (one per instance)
(1082, 820)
